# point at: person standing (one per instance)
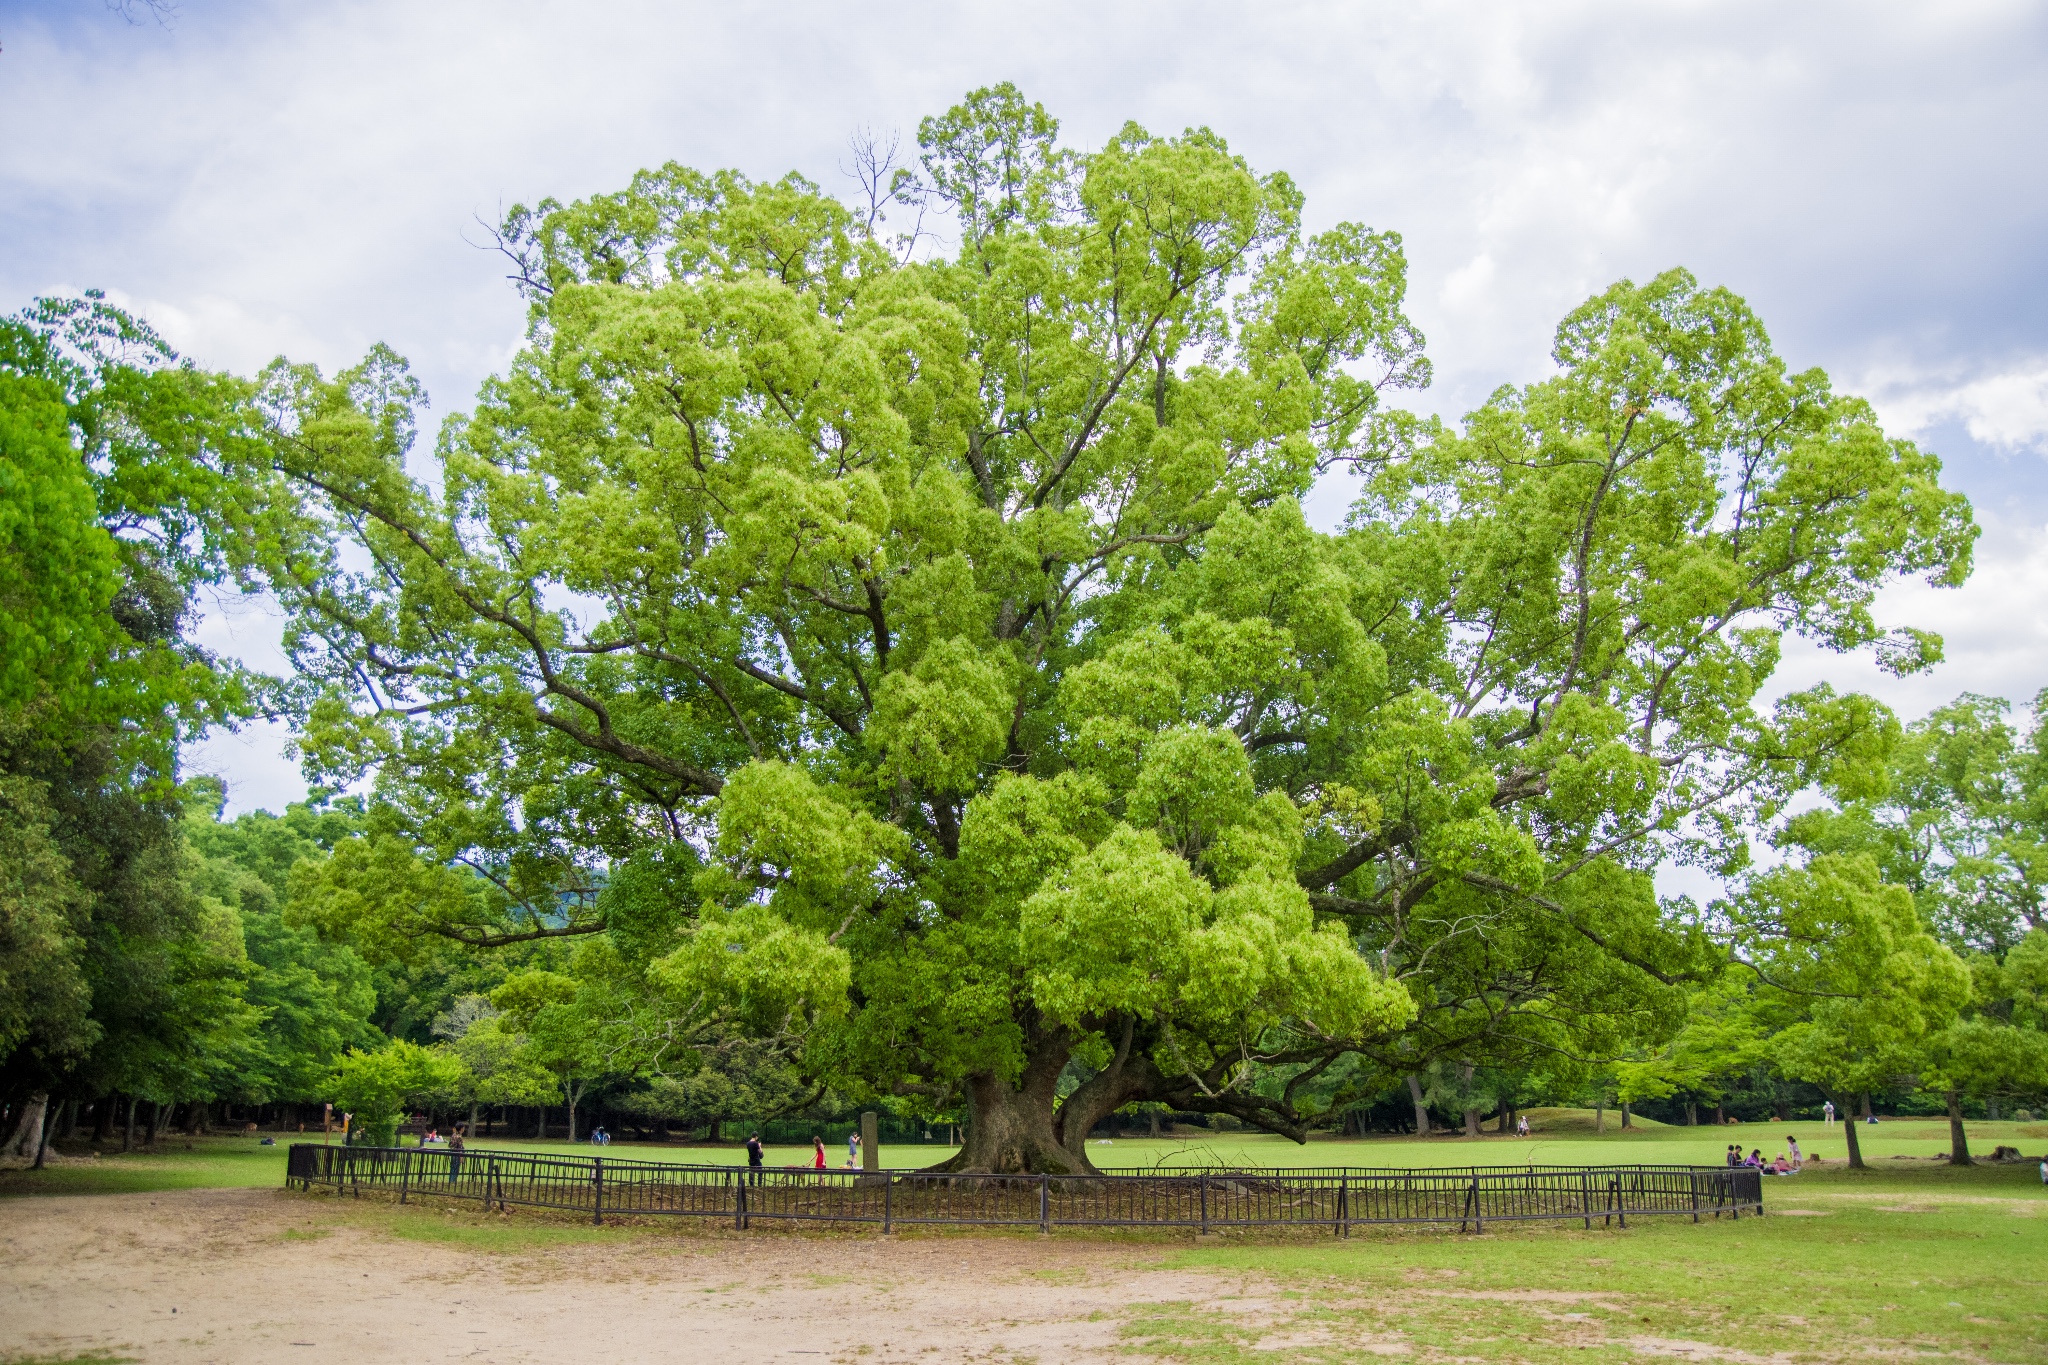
(818, 1152)
(1798, 1157)
(755, 1156)
(455, 1145)
(853, 1148)
(1827, 1114)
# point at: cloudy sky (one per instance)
(265, 178)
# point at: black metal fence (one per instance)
(1335, 1198)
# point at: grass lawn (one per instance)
(1562, 1137)
(1918, 1260)
(1910, 1258)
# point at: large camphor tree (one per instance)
(922, 658)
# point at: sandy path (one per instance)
(209, 1276)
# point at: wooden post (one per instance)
(870, 1142)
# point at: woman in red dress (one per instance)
(818, 1161)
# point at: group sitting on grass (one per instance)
(1755, 1159)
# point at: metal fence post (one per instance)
(1586, 1198)
(888, 1188)
(404, 1174)
(1205, 1205)
(1693, 1179)
(1343, 1206)
(1045, 1203)
(493, 1186)
(1478, 1219)
(739, 1204)
(597, 1193)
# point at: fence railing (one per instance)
(1333, 1198)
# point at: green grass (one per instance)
(197, 1164)
(1563, 1137)
(1911, 1257)
(1942, 1263)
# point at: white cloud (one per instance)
(1994, 631)
(2007, 410)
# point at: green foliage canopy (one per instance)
(927, 658)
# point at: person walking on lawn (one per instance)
(818, 1159)
(755, 1156)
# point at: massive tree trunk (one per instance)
(1421, 1109)
(1023, 1127)
(1010, 1124)
(1010, 1129)
(1958, 1140)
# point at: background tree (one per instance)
(1856, 987)
(126, 484)
(377, 1086)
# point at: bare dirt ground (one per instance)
(259, 1275)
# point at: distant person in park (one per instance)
(818, 1153)
(2044, 1170)
(1792, 1144)
(1522, 1125)
(1733, 1156)
(455, 1145)
(424, 1136)
(1781, 1166)
(1756, 1158)
(853, 1149)
(755, 1156)
(1870, 1118)
(1827, 1114)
